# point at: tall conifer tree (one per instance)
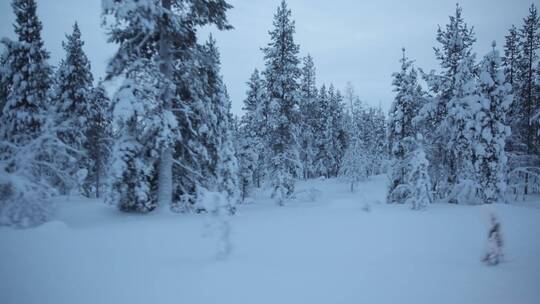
(528, 100)
(282, 74)
(407, 103)
(491, 131)
(454, 54)
(308, 103)
(163, 34)
(73, 106)
(28, 77)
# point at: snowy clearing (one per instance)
(330, 250)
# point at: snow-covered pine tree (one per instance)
(330, 137)
(372, 124)
(510, 63)
(354, 166)
(529, 43)
(252, 136)
(536, 117)
(142, 126)
(456, 42)
(219, 142)
(165, 31)
(350, 100)
(356, 113)
(4, 83)
(27, 134)
(329, 133)
(460, 127)
(489, 152)
(418, 180)
(322, 133)
(281, 74)
(211, 113)
(228, 167)
(523, 154)
(190, 110)
(247, 161)
(25, 191)
(408, 101)
(381, 143)
(336, 130)
(511, 55)
(205, 124)
(72, 104)
(362, 155)
(28, 75)
(308, 116)
(494, 254)
(98, 141)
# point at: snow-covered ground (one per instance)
(330, 250)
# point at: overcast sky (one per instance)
(350, 40)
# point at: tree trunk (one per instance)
(165, 67)
(98, 172)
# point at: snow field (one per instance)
(324, 251)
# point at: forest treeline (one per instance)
(166, 137)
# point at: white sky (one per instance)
(350, 40)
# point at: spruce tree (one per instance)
(27, 135)
(252, 129)
(494, 254)
(407, 103)
(510, 63)
(282, 74)
(373, 126)
(308, 116)
(165, 32)
(98, 141)
(205, 124)
(381, 147)
(529, 44)
(247, 161)
(228, 166)
(456, 42)
(142, 126)
(191, 108)
(219, 141)
(322, 130)
(337, 133)
(330, 132)
(454, 54)
(536, 117)
(28, 76)
(73, 107)
(511, 57)
(459, 125)
(356, 114)
(418, 178)
(355, 162)
(4, 83)
(331, 141)
(491, 131)
(213, 102)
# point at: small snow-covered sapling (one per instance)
(494, 253)
(366, 208)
